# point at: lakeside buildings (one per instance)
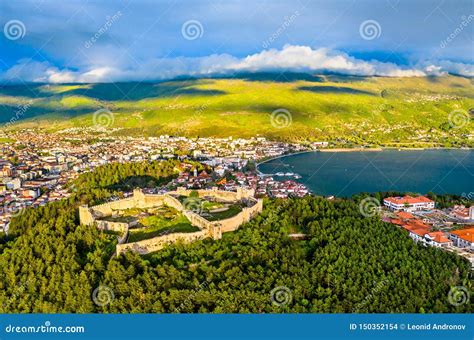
(408, 203)
(35, 170)
(36, 167)
(463, 238)
(431, 227)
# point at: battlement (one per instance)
(92, 216)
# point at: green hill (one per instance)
(348, 263)
(359, 109)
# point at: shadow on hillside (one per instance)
(288, 77)
(116, 91)
(285, 77)
(334, 90)
(142, 181)
(138, 91)
(16, 113)
(28, 91)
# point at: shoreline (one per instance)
(341, 150)
(351, 150)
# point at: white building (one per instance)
(463, 238)
(408, 203)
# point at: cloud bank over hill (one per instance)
(291, 58)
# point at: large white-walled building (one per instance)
(408, 203)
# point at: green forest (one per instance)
(346, 264)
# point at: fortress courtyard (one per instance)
(146, 223)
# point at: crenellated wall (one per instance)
(229, 196)
(158, 243)
(92, 215)
(233, 223)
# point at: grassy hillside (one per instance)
(360, 109)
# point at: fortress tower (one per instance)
(139, 198)
(216, 231)
(244, 193)
(85, 215)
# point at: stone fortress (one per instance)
(94, 216)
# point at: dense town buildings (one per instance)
(433, 227)
(36, 167)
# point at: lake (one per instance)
(347, 173)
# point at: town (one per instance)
(36, 167)
(450, 229)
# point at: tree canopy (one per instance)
(347, 263)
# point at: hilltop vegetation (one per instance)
(361, 110)
(348, 263)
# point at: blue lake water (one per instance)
(347, 173)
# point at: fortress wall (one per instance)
(122, 239)
(197, 220)
(141, 200)
(219, 194)
(115, 226)
(151, 201)
(106, 209)
(233, 223)
(85, 215)
(157, 243)
(172, 202)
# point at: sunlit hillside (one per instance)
(359, 109)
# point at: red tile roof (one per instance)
(438, 236)
(408, 200)
(405, 215)
(466, 234)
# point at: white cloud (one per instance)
(290, 58)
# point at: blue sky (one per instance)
(69, 41)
